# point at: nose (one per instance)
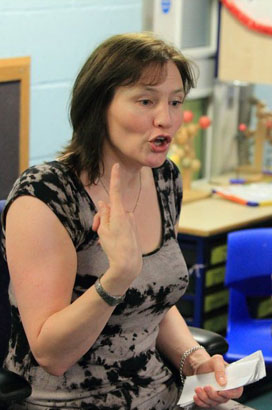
(163, 118)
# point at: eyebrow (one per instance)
(152, 89)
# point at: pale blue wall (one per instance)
(58, 35)
(264, 93)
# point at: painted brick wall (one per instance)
(58, 35)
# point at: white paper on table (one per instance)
(248, 370)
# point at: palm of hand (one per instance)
(118, 232)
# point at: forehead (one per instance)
(168, 76)
(159, 79)
(156, 74)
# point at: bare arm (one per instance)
(174, 339)
(42, 262)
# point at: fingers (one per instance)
(202, 398)
(102, 216)
(232, 393)
(104, 213)
(199, 402)
(96, 222)
(219, 370)
(115, 190)
(207, 396)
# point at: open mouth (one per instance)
(161, 141)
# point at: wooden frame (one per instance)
(18, 69)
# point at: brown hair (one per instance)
(120, 60)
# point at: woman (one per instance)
(91, 246)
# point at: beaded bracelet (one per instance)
(184, 357)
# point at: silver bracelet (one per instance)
(184, 357)
(109, 299)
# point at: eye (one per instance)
(176, 103)
(145, 101)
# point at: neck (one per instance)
(129, 174)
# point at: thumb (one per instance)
(96, 222)
(220, 377)
(219, 370)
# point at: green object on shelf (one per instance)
(260, 307)
(264, 308)
(218, 254)
(216, 300)
(217, 323)
(215, 276)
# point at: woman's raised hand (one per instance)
(118, 232)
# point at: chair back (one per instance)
(248, 277)
(249, 261)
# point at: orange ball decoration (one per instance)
(242, 127)
(188, 116)
(204, 121)
(269, 123)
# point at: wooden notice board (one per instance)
(244, 54)
(14, 120)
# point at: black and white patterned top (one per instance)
(123, 369)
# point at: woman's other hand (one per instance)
(118, 232)
(208, 397)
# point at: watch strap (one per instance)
(109, 299)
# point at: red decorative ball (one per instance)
(242, 127)
(188, 116)
(204, 121)
(269, 123)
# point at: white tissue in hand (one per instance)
(245, 371)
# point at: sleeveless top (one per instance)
(123, 369)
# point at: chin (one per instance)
(156, 162)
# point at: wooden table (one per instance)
(215, 215)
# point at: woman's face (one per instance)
(142, 120)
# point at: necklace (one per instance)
(138, 195)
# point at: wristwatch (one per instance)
(109, 299)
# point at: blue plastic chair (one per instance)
(248, 275)
(2, 204)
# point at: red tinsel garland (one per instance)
(246, 20)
